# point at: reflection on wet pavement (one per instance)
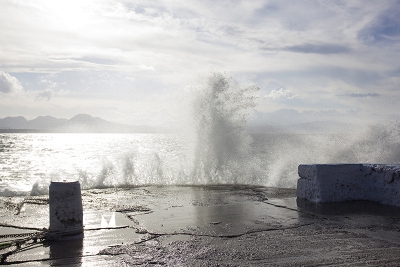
(215, 226)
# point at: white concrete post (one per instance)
(66, 212)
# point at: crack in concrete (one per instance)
(157, 235)
(299, 211)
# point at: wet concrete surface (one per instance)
(210, 226)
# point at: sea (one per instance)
(30, 161)
(217, 147)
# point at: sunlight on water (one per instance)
(31, 161)
(217, 150)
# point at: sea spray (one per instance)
(128, 167)
(374, 143)
(215, 148)
(377, 143)
(221, 107)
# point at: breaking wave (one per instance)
(223, 145)
(217, 148)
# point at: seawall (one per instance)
(345, 182)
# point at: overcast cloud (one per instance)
(129, 61)
(8, 83)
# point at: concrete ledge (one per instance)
(343, 182)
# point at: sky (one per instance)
(130, 61)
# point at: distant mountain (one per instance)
(316, 127)
(322, 127)
(82, 123)
(45, 122)
(13, 123)
(40, 123)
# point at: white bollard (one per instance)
(66, 212)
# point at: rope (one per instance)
(30, 240)
(19, 235)
(19, 247)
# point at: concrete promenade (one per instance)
(213, 226)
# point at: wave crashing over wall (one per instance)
(221, 111)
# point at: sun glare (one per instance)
(70, 15)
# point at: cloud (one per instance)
(324, 49)
(9, 84)
(316, 49)
(44, 95)
(96, 60)
(281, 94)
(360, 95)
(132, 79)
(145, 67)
(383, 28)
(51, 84)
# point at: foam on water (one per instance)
(215, 148)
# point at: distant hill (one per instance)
(86, 123)
(40, 123)
(82, 123)
(45, 122)
(13, 123)
(316, 127)
(322, 127)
